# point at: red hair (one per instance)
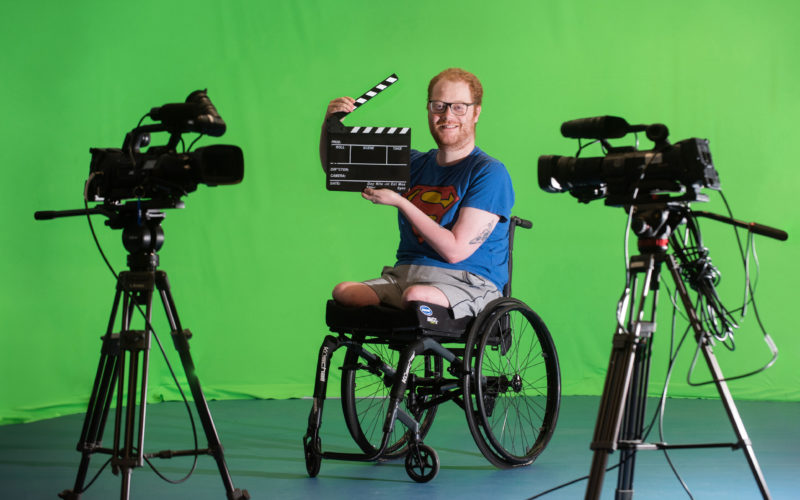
(460, 75)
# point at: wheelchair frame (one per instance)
(502, 370)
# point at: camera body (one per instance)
(625, 175)
(162, 173)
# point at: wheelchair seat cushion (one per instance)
(421, 319)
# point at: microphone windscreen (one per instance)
(598, 127)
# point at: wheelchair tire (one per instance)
(513, 394)
(365, 398)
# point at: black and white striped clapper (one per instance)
(360, 157)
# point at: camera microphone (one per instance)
(197, 114)
(208, 118)
(598, 127)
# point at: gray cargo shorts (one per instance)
(467, 293)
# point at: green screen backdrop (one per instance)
(252, 265)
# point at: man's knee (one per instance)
(354, 294)
(425, 293)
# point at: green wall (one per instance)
(252, 265)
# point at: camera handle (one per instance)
(755, 227)
(620, 419)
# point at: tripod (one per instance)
(622, 407)
(127, 354)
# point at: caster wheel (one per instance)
(313, 452)
(422, 463)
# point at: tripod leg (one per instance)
(633, 422)
(624, 390)
(736, 420)
(610, 413)
(99, 403)
(133, 344)
(180, 338)
(719, 381)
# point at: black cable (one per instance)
(570, 483)
(96, 241)
(626, 244)
(622, 305)
(97, 475)
(749, 287)
(673, 356)
(584, 146)
(191, 145)
(657, 414)
(150, 328)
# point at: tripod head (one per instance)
(140, 221)
(656, 226)
(655, 223)
(142, 236)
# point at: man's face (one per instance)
(449, 130)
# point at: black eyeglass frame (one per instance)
(448, 105)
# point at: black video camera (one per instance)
(161, 173)
(625, 175)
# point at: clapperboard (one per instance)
(361, 157)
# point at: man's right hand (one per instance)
(339, 105)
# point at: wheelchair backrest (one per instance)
(512, 226)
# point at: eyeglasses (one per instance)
(458, 108)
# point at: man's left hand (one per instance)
(382, 196)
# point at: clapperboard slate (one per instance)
(360, 157)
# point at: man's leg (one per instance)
(463, 292)
(353, 294)
(424, 293)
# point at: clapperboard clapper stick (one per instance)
(361, 157)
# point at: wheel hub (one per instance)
(516, 383)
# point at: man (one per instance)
(453, 221)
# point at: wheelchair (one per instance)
(500, 367)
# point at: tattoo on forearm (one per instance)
(483, 236)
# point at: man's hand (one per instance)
(382, 196)
(340, 105)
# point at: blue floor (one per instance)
(263, 450)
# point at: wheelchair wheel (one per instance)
(422, 463)
(313, 453)
(366, 387)
(514, 392)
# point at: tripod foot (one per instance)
(69, 495)
(238, 494)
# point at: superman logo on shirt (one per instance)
(434, 201)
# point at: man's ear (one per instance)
(477, 112)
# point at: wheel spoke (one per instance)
(365, 397)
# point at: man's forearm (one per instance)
(323, 148)
(468, 233)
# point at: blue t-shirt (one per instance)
(477, 181)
